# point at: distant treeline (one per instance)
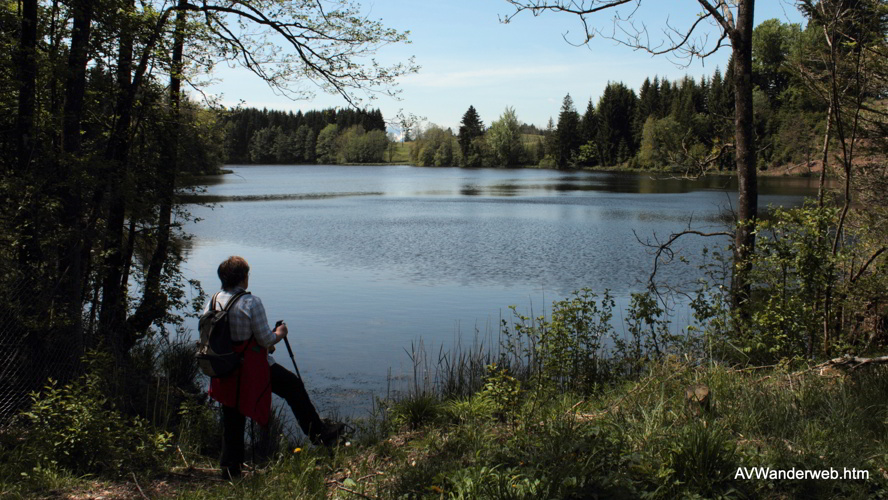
(325, 136)
(665, 124)
(683, 124)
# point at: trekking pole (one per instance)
(289, 350)
(292, 358)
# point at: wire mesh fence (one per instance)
(29, 354)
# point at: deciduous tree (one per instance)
(504, 138)
(115, 131)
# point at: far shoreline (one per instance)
(784, 171)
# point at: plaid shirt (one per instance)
(246, 317)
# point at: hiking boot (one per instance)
(331, 433)
(231, 473)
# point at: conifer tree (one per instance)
(470, 128)
(588, 131)
(615, 111)
(567, 134)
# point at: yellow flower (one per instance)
(297, 450)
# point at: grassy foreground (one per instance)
(641, 439)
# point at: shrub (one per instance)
(502, 390)
(75, 427)
(814, 294)
(470, 410)
(198, 429)
(649, 335)
(566, 350)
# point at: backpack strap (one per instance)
(230, 303)
(234, 299)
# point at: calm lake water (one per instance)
(363, 262)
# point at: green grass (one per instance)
(636, 439)
(399, 154)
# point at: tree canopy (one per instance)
(100, 133)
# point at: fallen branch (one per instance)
(851, 363)
(368, 476)
(202, 469)
(346, 489)
(139, 487)
(187, 466)
(753, 368)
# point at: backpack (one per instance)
(215, 354)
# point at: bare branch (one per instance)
(851, 363)
(582, 8)
(687, 42)
(872, 258)
(666, 247)
(727, 23)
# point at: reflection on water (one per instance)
(362, 261)
(291, 182)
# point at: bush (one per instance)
(564, 351)
(813, 295)
(76, 428)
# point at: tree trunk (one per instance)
(113, 311)
(27, 105)
(744, 137)
(75, 86)
(71, 257)
(821, 188)
(23, 190)
(112, 316)
(154, 303)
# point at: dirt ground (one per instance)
(167, 486)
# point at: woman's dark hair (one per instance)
(232, 271)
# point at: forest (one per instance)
(328, 136)
(682, 125)
(685, 125)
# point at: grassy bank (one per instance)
(511, 440)
(641, 439)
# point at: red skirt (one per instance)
(249, 387)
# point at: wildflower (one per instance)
(297, 450)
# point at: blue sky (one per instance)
(468, 57)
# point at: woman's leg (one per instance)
(232, 442)
(287, 385)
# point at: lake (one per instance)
(364, 261)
